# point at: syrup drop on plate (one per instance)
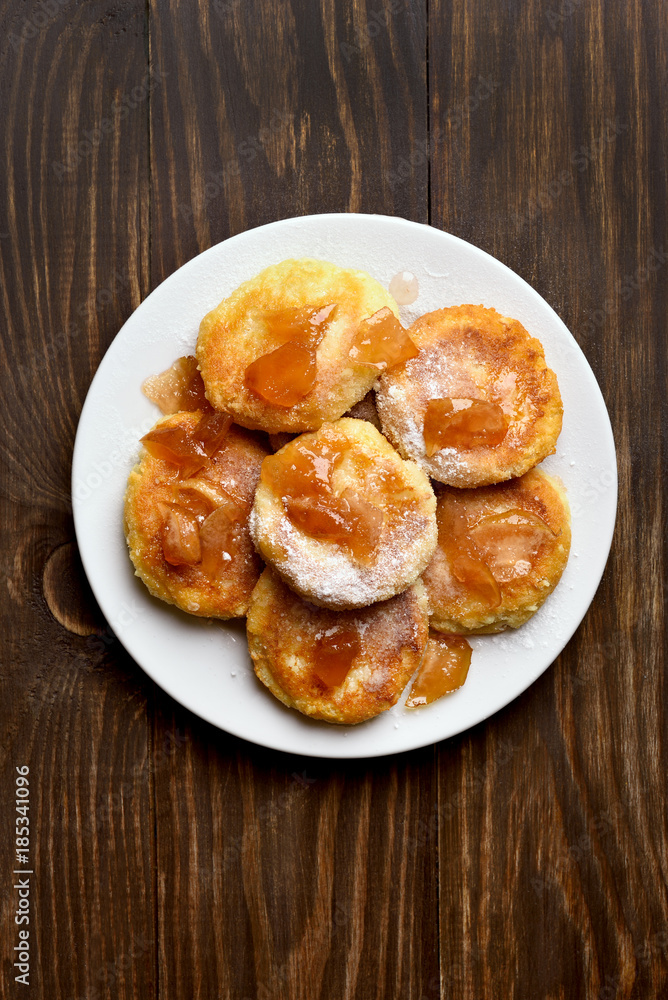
(404, 288)
(444, 669)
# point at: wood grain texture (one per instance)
(555, 174)
(73, 264)
(527, 858)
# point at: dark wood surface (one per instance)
(526, 858)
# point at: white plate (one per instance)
(205, 665)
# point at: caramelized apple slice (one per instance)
(348, 520)
(177, 446)
(334, 654)
(301, 471)
(444, 669)
(306, 326)
(185, 449)
(385, 486)
(382, 342)
(365, 522)
(178, 388)
(318, 518)
(465, 561)
(200, 498)
(211, 431)
(236, 507)
(476, 576)
(302, 477)
(219, 541)
(195, 496)
(510, 542)
(284, 376)
(463, 424)
(287, 374)
(180, 538)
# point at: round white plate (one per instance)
(205, 665)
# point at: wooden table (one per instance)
(527, 858)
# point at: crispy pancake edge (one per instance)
(228, 342)
(145, 548)
(520, 598)
(402, 396)
(276, 615)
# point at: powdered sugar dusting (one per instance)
(457, 360)
(402, 417)
(332, 578)
(326, 574)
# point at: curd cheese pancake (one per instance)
(342, 517)
(298, 345)
(501, 551)
(344, 666)
(478, 405)
(186, 513)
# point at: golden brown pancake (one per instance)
(239, 332)
(343, 666)
(342, 517)
(164, 508)
(501, 552)
(475, 360)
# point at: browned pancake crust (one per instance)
(234, 335)
(469, 351)
(238, 460)
(282, 632)
(453, 607)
